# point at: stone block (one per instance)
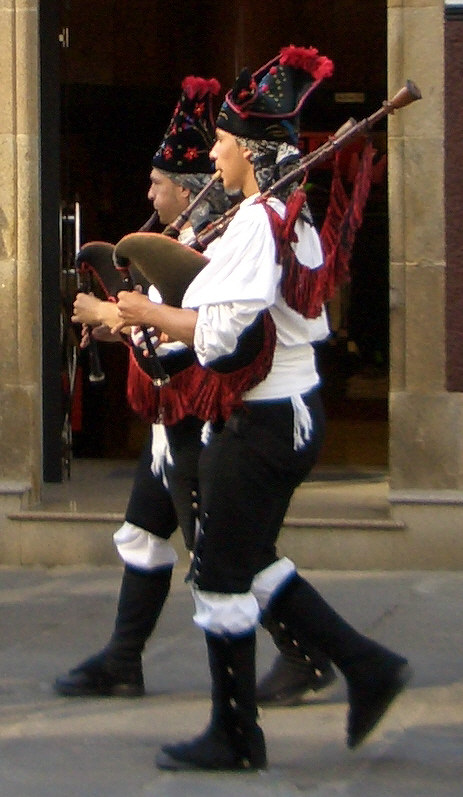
(425, 328)
(397, 212)
(423, 186)
(397, 326)
(8, 324)
(20, 435)
(27, 68)
(426, 449)
(8, 197)
(7, 70)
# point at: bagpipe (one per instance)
(94, 262)
(96, 374)
(152, 258)
(171, 266)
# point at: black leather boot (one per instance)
(116, 671)
(374, 674)
(232, 740)
(373, 681)
(294, 672)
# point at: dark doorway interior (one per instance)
(120, 72)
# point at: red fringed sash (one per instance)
(306, 290)
(344, 218)
(231, 386)
(142, 396)
(202, 392)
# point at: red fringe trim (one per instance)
(307, 290)
(141, 393)
(300, 286)
(353, 217)
(202, 392)
(230, 387)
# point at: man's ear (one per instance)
(247, 153)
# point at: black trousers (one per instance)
(159, 509)
(248, 474)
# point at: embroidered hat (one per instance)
(266, 103)
(190, 135)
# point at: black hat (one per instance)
(265, 105)
(190, 135)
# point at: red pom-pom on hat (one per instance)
(308, 59)
(200, 86)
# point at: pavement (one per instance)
(51, 746)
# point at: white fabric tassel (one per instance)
(160, 451)
(302, 424)
(206, 433)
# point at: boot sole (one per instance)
(295, 697)
(118, 690)
(381, 705)
(166, 761)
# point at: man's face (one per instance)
(230, 158)
(168, 198)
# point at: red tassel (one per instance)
(300, 285)
(354, 216)
(337, 206)
(343, 220)
(307, 290)
(331, 232)
(294, 206)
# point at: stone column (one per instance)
(20, 322)
(425, 420)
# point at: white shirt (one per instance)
(241, 279)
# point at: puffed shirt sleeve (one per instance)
(219, 326)
(240, 280)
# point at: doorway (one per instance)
(119, 73)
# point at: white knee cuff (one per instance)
(141, 549)
(268, 581)
(160, 451)
(225, 614)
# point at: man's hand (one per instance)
(101, 334)
(139, 311)
(95, 312)
(86, 309)
(134, 309)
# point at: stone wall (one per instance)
(425, 452)
(20, 324)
